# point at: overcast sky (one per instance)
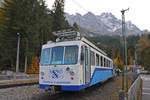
(139, 13)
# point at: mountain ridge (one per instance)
(103, 24)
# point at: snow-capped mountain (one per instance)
(104, 24)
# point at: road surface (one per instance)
(146, 87)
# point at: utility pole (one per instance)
(17, 60)
(26, 58)
(125, 48)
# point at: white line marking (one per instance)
(146, 88)
(146, 78)
(146, 93)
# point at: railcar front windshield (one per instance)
(59, 55)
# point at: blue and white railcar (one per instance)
(73, 65)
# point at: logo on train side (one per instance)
(57, 73)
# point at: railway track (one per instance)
(34, 93)
(16, 83)
(78, 95)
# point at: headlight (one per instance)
(71, 73)
(67, 69)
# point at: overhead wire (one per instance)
(79, 5)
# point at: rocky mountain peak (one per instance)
(107, 15)
(89, 16)
(1, 2)
(78, 14)
(103, 24)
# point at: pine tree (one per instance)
(59, 21)
(76, 27)
(32, 20)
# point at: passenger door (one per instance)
(87, 66)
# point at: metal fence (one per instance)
(134, 91)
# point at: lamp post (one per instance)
(125, 49)
(122, 92)
(26, 57)
(18, 46)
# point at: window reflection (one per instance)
(71, 53)
(59, 55)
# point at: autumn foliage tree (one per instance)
(118, 61)
(142, 44)
(146, 58)
(34, 66)
(130, 58)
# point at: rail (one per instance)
(134, 91)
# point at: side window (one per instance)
(101, 61)
(92, 58)
(86, 55)
(111, 64)
(97, 60)
(104, 62)
(82, 55)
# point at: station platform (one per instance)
(17, 80)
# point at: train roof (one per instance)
(69, 37)
(74, 42)
(92, 45)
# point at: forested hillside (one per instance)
(33, 23)
(136, 45)
(112, 44)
